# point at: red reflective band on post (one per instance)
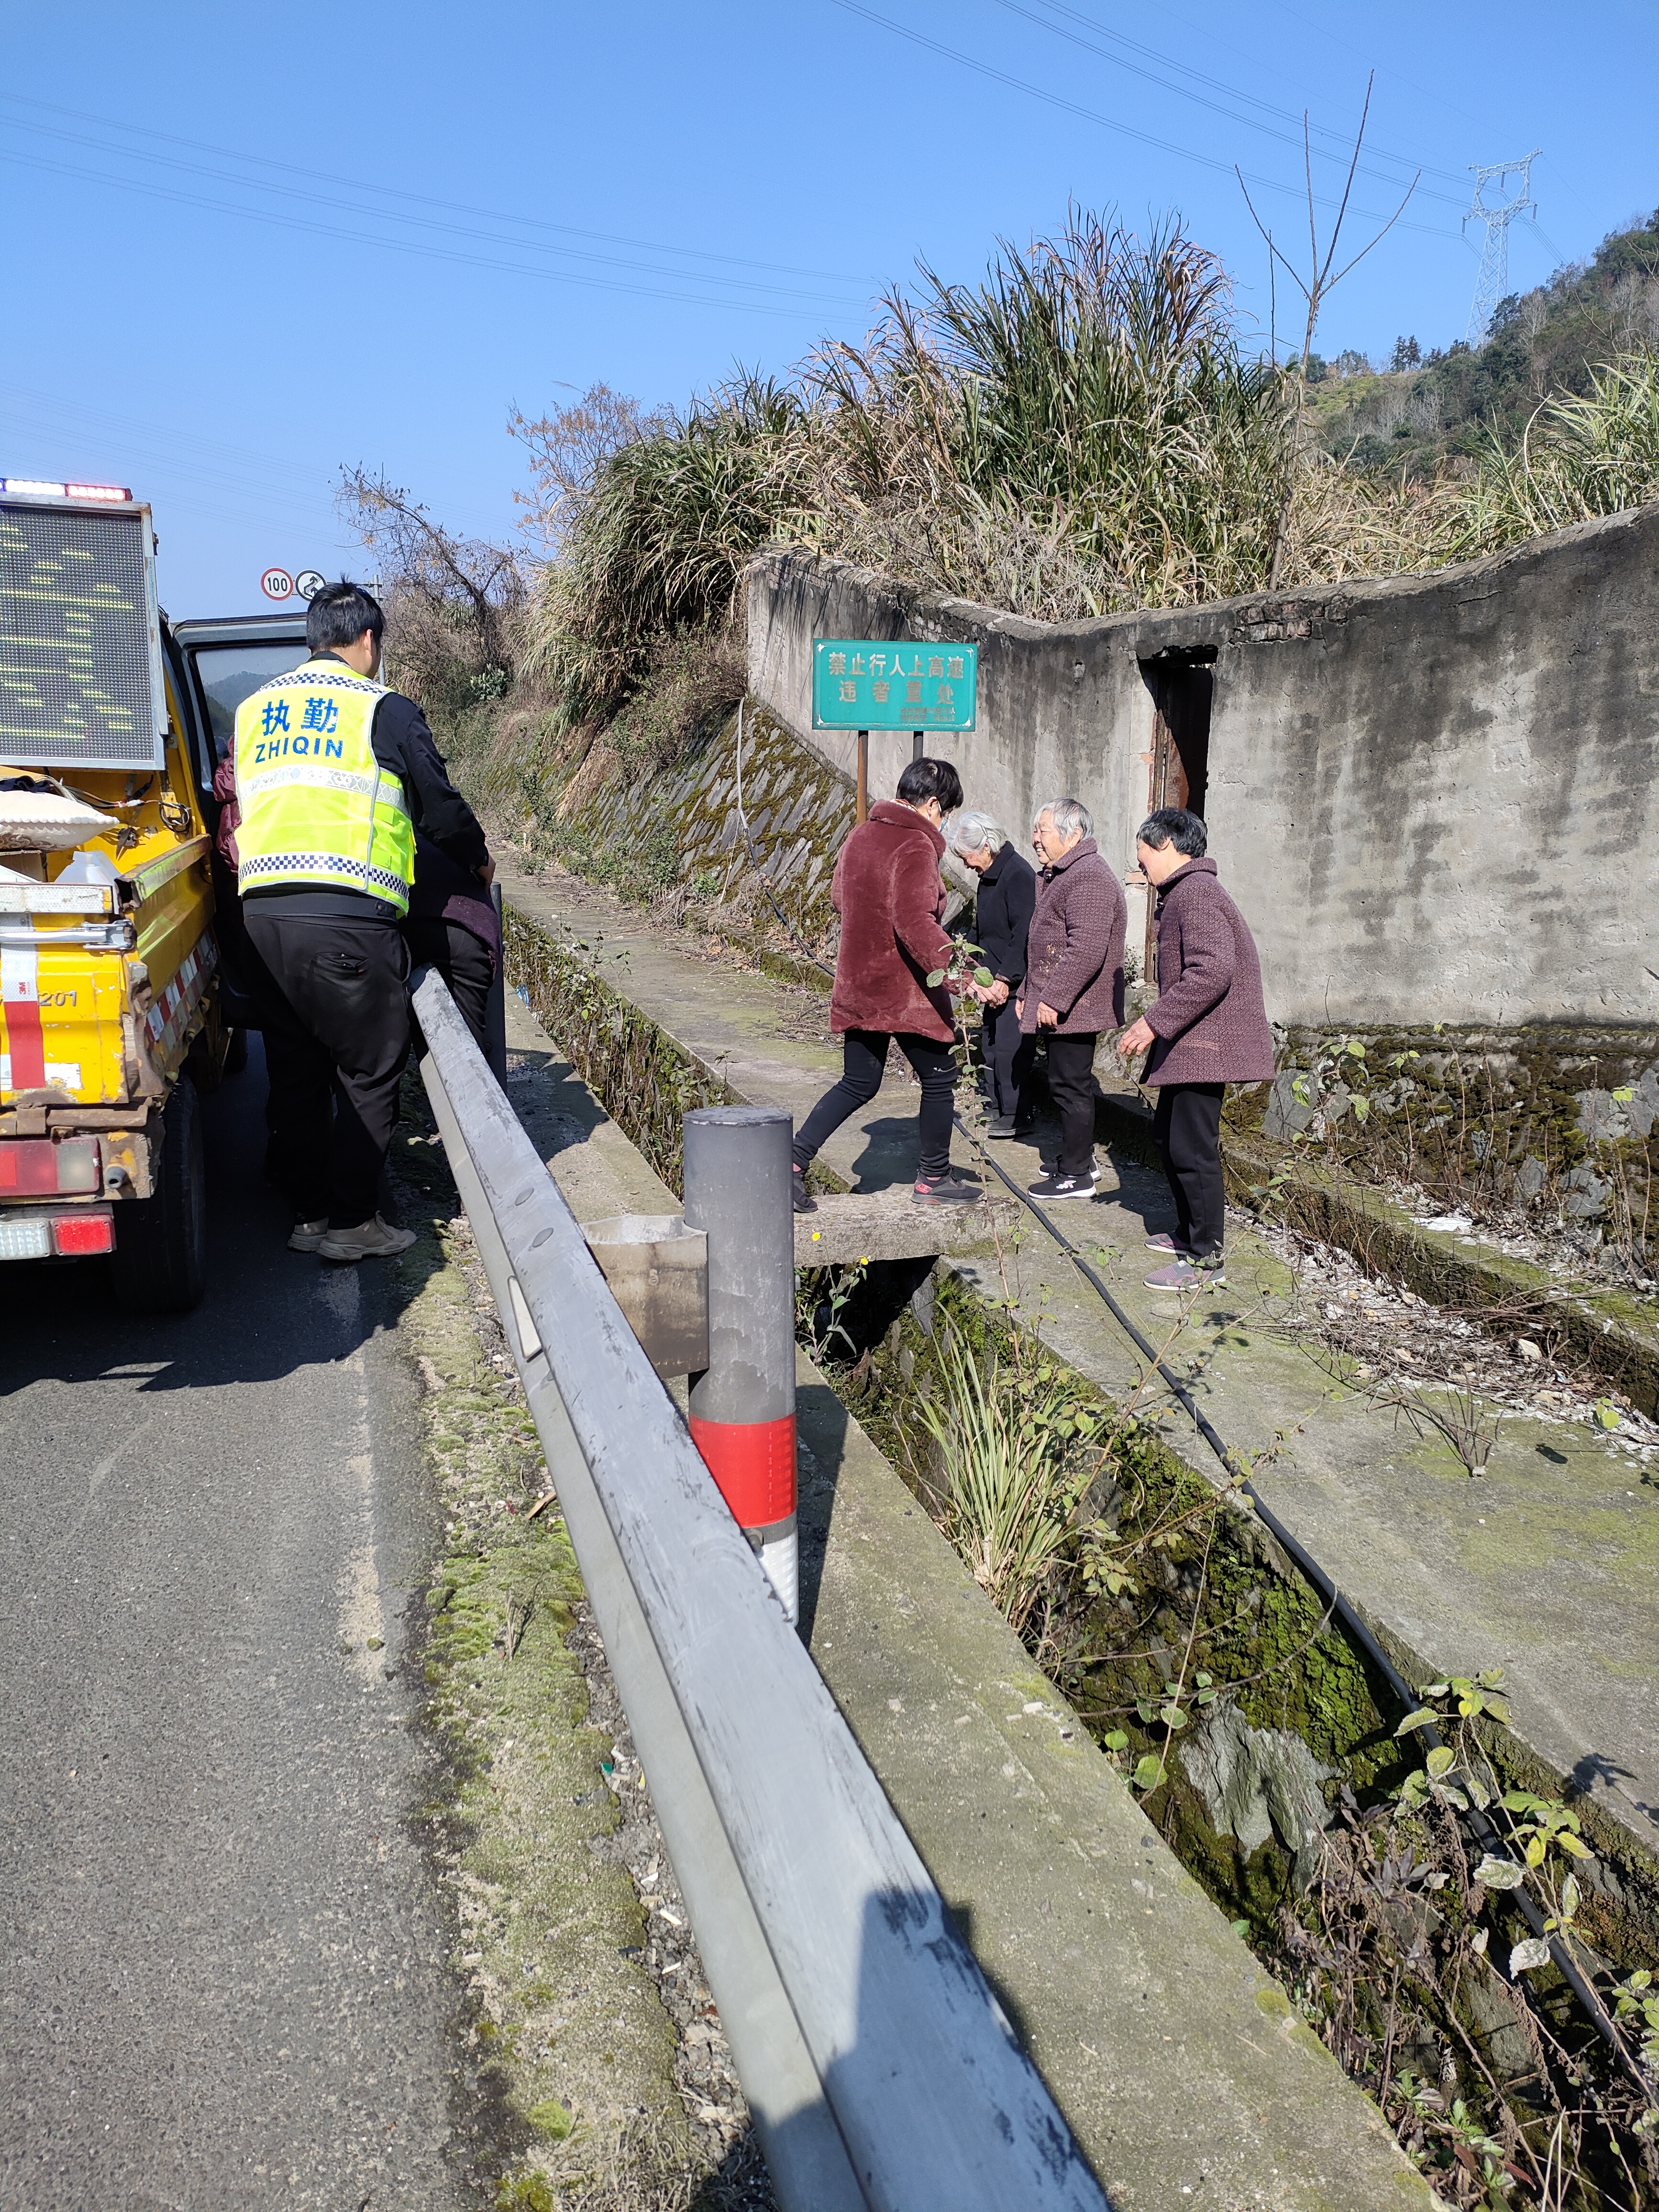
(754, 1464)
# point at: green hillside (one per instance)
(1544, 341)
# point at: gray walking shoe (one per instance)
(370, 1240)
(945, 1190)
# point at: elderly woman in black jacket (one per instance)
(1007, 893)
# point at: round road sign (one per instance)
(308, 583)
(277, 584)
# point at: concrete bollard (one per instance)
(743, 1404)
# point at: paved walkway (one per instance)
(1548, 1566)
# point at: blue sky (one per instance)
(244, 246)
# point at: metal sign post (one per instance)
(885, 684)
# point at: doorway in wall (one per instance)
(1183, 685)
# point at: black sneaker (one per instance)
(799, 1197)
(945, 1190)
(1063, 1185)
(1000, 1126)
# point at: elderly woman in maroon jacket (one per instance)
(888, 893)
(1207, 1028)
(1073, 987)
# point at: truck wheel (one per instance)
(159, 1261)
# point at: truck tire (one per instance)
(159, 1261)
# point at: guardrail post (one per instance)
(495, 1018)
(743, 1404)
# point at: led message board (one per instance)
(80, 645)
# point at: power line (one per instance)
(418, 248)
(413, 199)
(1093, 115)
(1339, 150)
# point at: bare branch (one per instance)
(1288, 267)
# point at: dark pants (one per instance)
(1188, 1128)
(1072, 1087)
(464, 961)
(1008, 1058)
(866, 1055)
(337, 1038)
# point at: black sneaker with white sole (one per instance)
(1063, 1185)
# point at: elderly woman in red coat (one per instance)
(888, 893)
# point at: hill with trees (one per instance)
(1423, 409)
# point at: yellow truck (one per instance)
(113, 1022)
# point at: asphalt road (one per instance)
(221, 1978)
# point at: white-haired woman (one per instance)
(1002, 922)
(1073, 980)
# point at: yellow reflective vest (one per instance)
(317, 807)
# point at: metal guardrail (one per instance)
(881, 2071)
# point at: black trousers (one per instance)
(337, 1038)
(1008, 1058)
(1072, 1087)
(464, 961)
(866, 1055)
(1188, 1128)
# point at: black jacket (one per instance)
(1007, 896)
(404, 744)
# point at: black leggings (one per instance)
(866, 1057)
(1188, 1128)
(464, 960)
(1008, 1057)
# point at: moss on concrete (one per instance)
(566, 2042)
(644, 829)
(618, 1052)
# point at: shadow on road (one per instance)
(267, 1313)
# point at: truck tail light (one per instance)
(76, 1236)
(35, 1167)
(37, 488)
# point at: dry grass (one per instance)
(1079, 432)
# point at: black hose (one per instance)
(1484, 1833)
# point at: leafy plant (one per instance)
(1007, 1430)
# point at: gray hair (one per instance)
(971, 831)
(1069, 816)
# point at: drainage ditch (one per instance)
(1259, 1724)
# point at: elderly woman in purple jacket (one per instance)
(1073, 986)
(1207, 1028)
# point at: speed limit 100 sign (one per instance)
(277, 584)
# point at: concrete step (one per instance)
(889, 1224)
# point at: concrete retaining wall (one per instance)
(1434, 797)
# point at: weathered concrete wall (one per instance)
(1434, 797)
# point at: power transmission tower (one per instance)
(1493, 284)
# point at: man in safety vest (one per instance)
(334, 775)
